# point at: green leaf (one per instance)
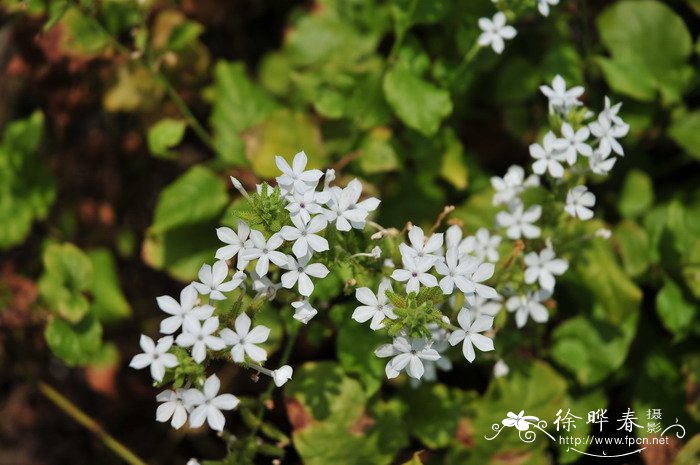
(634, 247)
(134, 90)
(77, 343)
(408, 13)
(238, 105)
(377, 154)
(650, 45)
(637, 194)
(676, 312)
(164, 135)
(454, 169)
(67, 278)
(109, 302)
(685, 131)
(355, 349)
(80, 35)
(418, 103)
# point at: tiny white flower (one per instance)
(303, 311)
(235, 240)
(607, 133)
(573, 143)
(172, 408)
(212, 280)
(543, 6)
(294, 178)
(560, 98)
(547, 157)
(342, 209)
(263, 286)
(579, 202)
(611, 112)
(482, 246)
(155, 355)
(264, 251)
(200, 337)
(543, 266)
(495, 31)
(603, 233)
(244, 340)
(485, 307)
(467, 273)
(500, 369)
(407, 355)
(471, 327)
(180, 310)
(421, 246)
(306, 204)
(208, 404)
(415, 272)
(529, 305)
(512, 184)
(365, 206)
(281, 375)
(304, 235)
(599, 164)
(519, 222)
(376, 307)
(299, 272)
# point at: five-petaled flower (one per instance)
(407, 355)
(155, 355)
(495, 31)
(243, 340)
(207, 404)
(471, 326)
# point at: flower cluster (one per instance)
(495, 31)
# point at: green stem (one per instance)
(468, 58)
(90, 424)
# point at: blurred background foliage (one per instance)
(122, 121)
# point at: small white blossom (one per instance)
(547, 157)
(376, 307)
(180, 310)
(343, 210)
(304, 235)
(579, 202)
(543, 6)
(264, 251)
(603, 233)
(495, 31)
(294, 178)
(208, 404)
(200, 337)
(407, 355)
(607, 133)
(500, 369)
(212, 280)
(365, 206)
(561, 99)
(599, 164)
(415, 272)
(512, 184)
(611, 112)
(421, 246)
(543, 266)
(299, 272)
(244, 340)
(573, 143)
(306, 204)
(303, 311)
(471, 327)
(172, 408)
(281, 375)
(155, 355)
(263, 286)
(485, 307)
(529, 305)
(467, 273)
(482, 246)
(519, 222)
(235, 240)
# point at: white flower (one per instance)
(471, 327)
(420, 246)
(235, 240)
(543, 6)
(520, 421)
(212, 280)
(299, 271)
(485, 307)
(603, 233)
(529, 305)
(512, 184)
(543, 267)
(304, 235)
(559, 97)
(281, 375)
(483, 246)
(466, 273)
(155, 355)
(547, 157)
(306, 204)
(453, 236)
(264, 252)
(599, 164)
(519, 221)
(495, 31)
(243, 341)
(574, 143)
(500, 369)
(263, 286)
(579, 201)
(343, 210)
(303, 311)
(199, 337)
(294, 178)
(182, 309)
(172, 408)
(408, 355)
(610, 112)
(208, 405)
(607, 133)
(376, 307)
(415, 273)
(365, 206)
